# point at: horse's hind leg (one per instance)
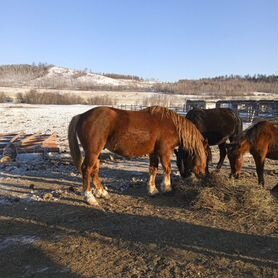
(151, 187)
(99, 189)
(86, 169)
(166, 164)
(259, 161)
(222, 150)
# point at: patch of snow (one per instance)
(5, 202)
(29, 157)
(17, 240)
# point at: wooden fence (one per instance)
(248, 110)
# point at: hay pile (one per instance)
(237, 207)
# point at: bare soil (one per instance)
(48, 231)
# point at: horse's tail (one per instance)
(240, 124)
(73, 143)
(238, 130)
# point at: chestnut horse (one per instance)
(261, 140)
(154, 131)
(217, 126)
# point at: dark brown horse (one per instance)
(155, 131)
(261, 140)
(217, 126)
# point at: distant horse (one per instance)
(217, 126)
(261, 140)
(155, 131)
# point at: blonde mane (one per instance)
(190, 137)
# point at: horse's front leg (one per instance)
(222, 150)
(151, 187)
(86, 169)
(100, 191)
(166, 164)
(259, 161)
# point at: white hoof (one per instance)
(153, 191)
(102, 193)
(105, 194)
(166, 185)
(165, 189)
(90, 199)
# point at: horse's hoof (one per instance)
(92, 201)
(106, 195)
(153, 193)
(165, 187)
(102, 194)
(166, 190)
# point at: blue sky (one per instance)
(166, 40)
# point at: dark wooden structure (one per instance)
(200, 104)
(251, 110)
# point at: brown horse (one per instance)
(154, 131)
(217, 126)
(261, 140)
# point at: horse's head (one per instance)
(188, 162)
(235, 157)
(185, 162)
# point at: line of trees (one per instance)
(233, 84)
(123, 76)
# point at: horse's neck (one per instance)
(244, 146)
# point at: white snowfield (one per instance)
(43, 118)
(30, 118)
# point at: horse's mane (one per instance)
(189, 136)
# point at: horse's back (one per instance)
(264, 130)
(96, 112)
(263, 137)
(216, 124)
(213, 119)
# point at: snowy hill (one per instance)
(63, 78)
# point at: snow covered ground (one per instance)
(35, 118)
(43, 118)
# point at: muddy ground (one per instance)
(48, 231)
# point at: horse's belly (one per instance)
(131, 146)
(273, 155)
(214, 138)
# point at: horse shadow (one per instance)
(30, 261)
